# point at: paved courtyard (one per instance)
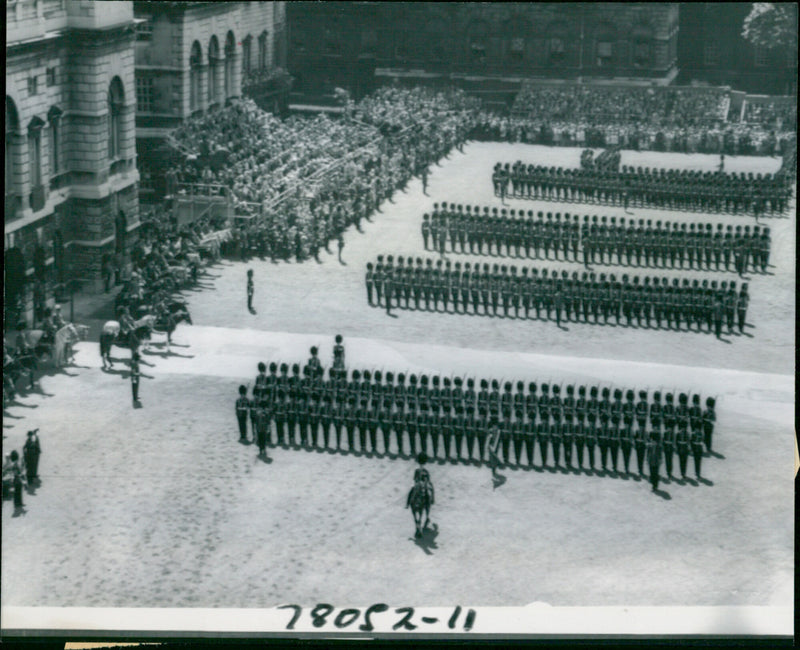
(161, 507)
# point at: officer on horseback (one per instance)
(420, 497)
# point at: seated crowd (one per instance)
(656, 106)
(774, 112)
(303, 181)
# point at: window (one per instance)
(517, 48)
(247, 62)
(558, 52)
(711, 53)
(33, 85)
(230, 63)
(51, 76)
(761, 56)
(144, 94)
(642, 39)
(195, 77)
(605, 53)
(12, 126)
(369, 41)
(262, 51)
(54, 117)
(116, 97)
(213, 71)
(333, 44)
(35, 152)
(144, 30)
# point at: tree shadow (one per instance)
(427, 541)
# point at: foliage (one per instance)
(772, 25)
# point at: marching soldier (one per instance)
(709, 418)
(426, 229)
(741, 307)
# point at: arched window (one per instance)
(247, 54)
(604, 37)
(35, 151)
(230, 62)
(116, 104)
(54, 120)
(213, 71)
(195, 77)
(263, 53)
(642, 38)
(12, 128)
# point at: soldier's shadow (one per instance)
(663, 494)
(427, 541)
(498, 480)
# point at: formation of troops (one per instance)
(520, 292)
(483, 230)
(759, 194)
(455, 419)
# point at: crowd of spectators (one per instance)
(728, 138)
(652, 106)
(777, 112)
(302, 181)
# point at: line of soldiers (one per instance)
(460, 229)
(649, 301)
(453, 418)
(665, 188)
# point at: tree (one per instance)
(772, 25)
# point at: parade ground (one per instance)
(161, 506)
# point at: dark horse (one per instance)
(420, 497)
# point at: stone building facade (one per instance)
(193, 57)
(712, 49)
(341, 40)
(70, 156)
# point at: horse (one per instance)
(110, 335)
(420, 499)
(61, 347)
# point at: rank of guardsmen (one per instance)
(480, 230)
(717, 191)
(519, 292)
(397, 414)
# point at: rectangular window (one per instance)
(518, 45)
(35, 154)
(761, 56)
(33, 85)
(55, 146)
(369, 40)
(604, 49)
(144, 30)
(144, 94)
(711, 53)
(51, 76)
(246, 54)
(262, 51)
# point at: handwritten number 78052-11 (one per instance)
(403, 621)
